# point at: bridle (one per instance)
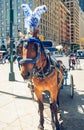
(25, 43)
(41, 72)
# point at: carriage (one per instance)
(68, 77)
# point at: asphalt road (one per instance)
(72, 110)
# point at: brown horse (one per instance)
(36, 65)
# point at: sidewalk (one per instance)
(17, 109)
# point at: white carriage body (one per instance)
(64, 59)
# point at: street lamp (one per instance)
(11, 74)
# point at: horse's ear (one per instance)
(36, 31)
(20, 34)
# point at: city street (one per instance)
(19, 112)
(72, 109)
(40, 32)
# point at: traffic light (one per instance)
(41, 37)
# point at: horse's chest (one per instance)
(46, 83)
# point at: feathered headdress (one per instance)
(32, 18)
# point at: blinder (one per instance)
(25, 43)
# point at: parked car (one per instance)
(80, 54)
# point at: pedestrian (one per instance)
(69, 62)
(73, 62)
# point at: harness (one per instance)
(51, 65)
(47, 71)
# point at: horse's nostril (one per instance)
(28, 74)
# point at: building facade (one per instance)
(81, 4)
(81, 28)
(49, 25)
(18, 18)
(65, 30)
(73, 6)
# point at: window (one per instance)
(13, 27)
(7, 4)
(2, 11)
(2, 23)
(18, 7)
(13, 2)
(18, 20)
(18, 14)
(13, 33)
(7, 28)
(30, 4)
(2, 28)
(24, 0)
(18, 1)
(2, 17)
(1, 5)
(2, 34)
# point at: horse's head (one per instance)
(33, 57)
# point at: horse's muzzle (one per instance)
(27, 75)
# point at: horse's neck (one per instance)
(42, 62)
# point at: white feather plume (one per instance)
(32, 18)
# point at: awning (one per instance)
(59, 47)
(47, 43)
(51, 48)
